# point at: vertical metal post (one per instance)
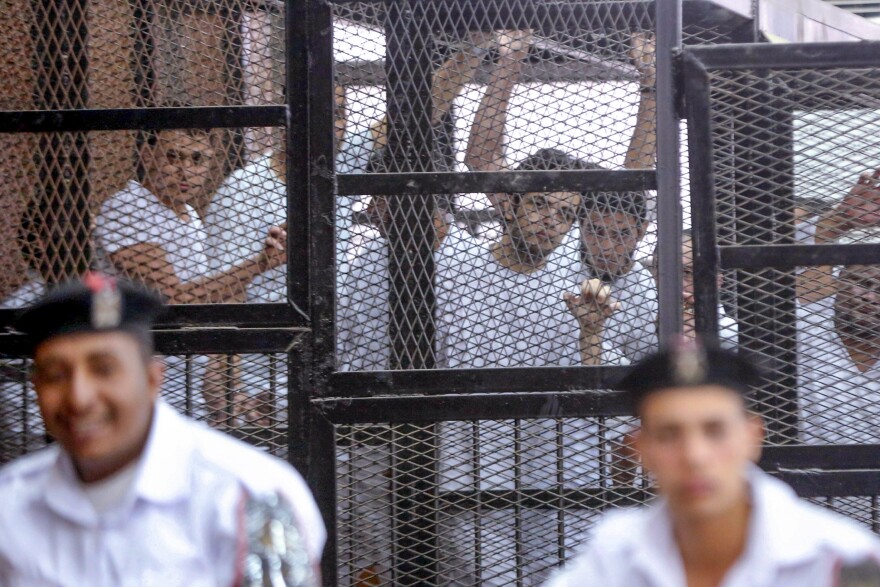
(703, 218)
(764, 204)
(62, 57)
(668, 15)
(409, 74)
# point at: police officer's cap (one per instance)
(690, 363)
(96, 303)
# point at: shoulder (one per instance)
(603, 561)
(20, 480)
(134, 196)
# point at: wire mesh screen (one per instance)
(244, 395)
(475, 502)
(477, 280)
(795, 162)
(156, 207)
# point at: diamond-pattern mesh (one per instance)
(478, 280)
(476, 502)
(794, 163)
(243, 395)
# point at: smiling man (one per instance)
(134, 493)
(719, 520)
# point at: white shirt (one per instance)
(250, 201)
(134, 215)
(178, 526)
(839, 404)
(790, 543)
(363, 310)
(490, 316)
(26, 294)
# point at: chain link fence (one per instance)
(486, 160)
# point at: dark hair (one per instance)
(630, 203)
(553, 160)
(377, 163)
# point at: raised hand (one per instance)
(642, 52)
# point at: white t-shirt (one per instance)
(180, 522)
(839, 404)
(490, 316)
(363, 317)
(134, 215)
(790, 543)
(249, 202)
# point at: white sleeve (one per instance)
(230, 234)
(588, 569)
(125, 220)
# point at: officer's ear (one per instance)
(755, 425)
(155, 376)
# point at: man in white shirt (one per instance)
(719, 520)
(839, 331)
(150, 232)
(133, 493)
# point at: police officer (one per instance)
(719, 520)
(133, 493)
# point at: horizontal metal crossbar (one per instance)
(141, 118)
(789, 56)
(830, 457)
(449, 381)
(787, 256)
(489, 406)
(497, 181)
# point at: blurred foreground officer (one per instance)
(720, 521)
(134, 493)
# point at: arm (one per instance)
(859, 209)
(485, 148)
(643, 145)
(591, 308)
(455, 73)
(147, 262)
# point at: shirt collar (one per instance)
(773, 540)
(162, 476)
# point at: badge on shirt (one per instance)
(276, 548)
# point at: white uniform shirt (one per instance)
(790, 543)
(179, 523)
(839, 404)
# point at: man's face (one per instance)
(96, 393)
(609, 240)
(698, 442)
(541, 220)
(857, 307)
(178, 166)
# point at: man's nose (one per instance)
(81, 391)
(695, 450)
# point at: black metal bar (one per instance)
(832, 483)
(790, 256)
(701, 162)
(18, 121)
(840, 55)
(409, 74)
(253, 315)
(763, 201)
(449, 381)
(827, 457)
(668, 170)
(496, 181)
(321, 474)
(496, 406)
